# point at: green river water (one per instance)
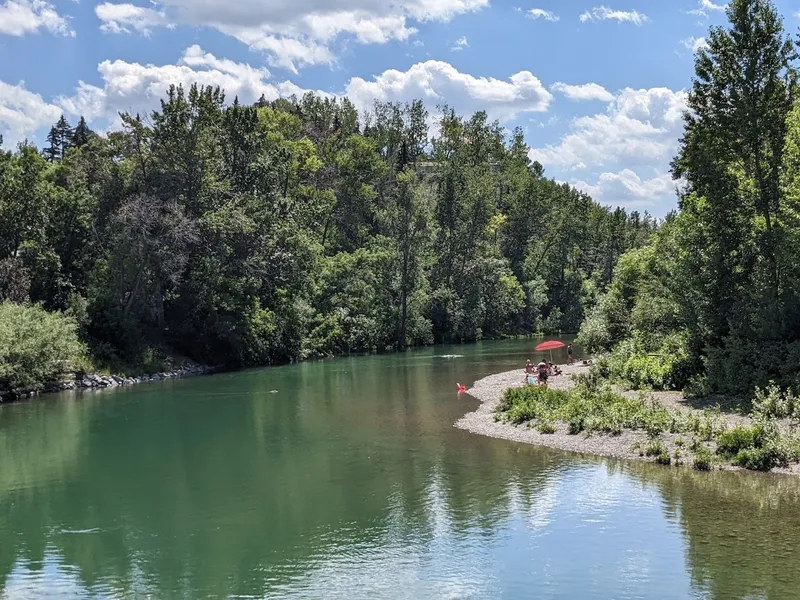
(346, 479)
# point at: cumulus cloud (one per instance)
(295, 33)
(134, 87)
(121, 18)
(603, 13)
(587, 91)
(20, 17)
(540, 13)
(706, 6)
(438, 82)
(694, 44)
(137, 88)
(22, 113)
(639, 126)
(628, 189)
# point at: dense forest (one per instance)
(712, 303)
(247, 235)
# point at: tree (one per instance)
(81, 134)
(731, 155)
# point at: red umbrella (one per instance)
(551, 345)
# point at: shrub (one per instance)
(663, 459)
(36, 346)
(547, 427)
(654, 448)
(771, 402)
(731, 443)
(703, 459)
(659, 363)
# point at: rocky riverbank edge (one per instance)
(94, 381)
(626, 446)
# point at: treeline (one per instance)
(713, 302)
(246, 235)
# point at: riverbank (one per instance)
(95, 381)
(628, 445)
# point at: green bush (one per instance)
(731, 443)
(663, 459)
(36, 346)
(654, 448)
(703, 459)
(646, 364)
(547, 427)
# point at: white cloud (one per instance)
(134, 87)
(639, 127)
(587, 91)
(286, 52)
(706, 6)
(694, 44)
(20, 17)
(301, 32)
(438, 82)
(117, 18)
(460, 44)
(603, 13)
(22, 113)
(628, 189)
(540, 13)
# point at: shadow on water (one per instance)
(346, 479)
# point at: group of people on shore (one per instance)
(539, 374)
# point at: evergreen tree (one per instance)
(64, 135)
(53, 150)
(81, 135)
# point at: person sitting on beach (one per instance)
(554, 369)
(529, 370)
(543, 374)
(569, 354)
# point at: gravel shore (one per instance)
(490, 390)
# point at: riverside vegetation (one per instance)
(241, 236)
(711, 304)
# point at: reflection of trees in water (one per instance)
(742, 530)
(216, 500)
(40, 441)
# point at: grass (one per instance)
(588, 409)
(591, 408)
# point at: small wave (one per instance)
(79, 531)
(451, 356)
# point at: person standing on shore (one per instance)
(569, 353)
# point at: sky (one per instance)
(598, 88)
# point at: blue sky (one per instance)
(599, 87)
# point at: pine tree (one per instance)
(52, 152)
(81, 135)
(64, 132)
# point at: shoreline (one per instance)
(93, 381)
(490, 390)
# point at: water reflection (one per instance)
(351, 482)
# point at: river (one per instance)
(345, 479)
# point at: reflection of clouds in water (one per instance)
(597, 492)
(443, 565)
(535, 506)
(51, 579)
